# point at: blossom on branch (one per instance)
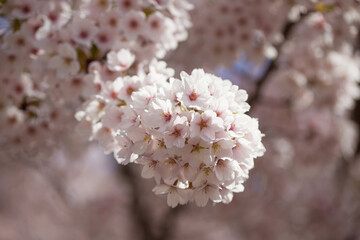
(181, 141)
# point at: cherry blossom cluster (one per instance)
(332, 84)
(50, 49)
(225, 29)
(28, 129)
(304, 109)
(190, 134)
(323, 84)
(148, 28)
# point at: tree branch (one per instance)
(286, 31)
(168, 223)
(138, 210)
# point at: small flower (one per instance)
(195, 91)
(120, 117)
(65, 62)
(24, 8)
(160, 115)
(59, 13)
(111, 19)
(205, 125)
(178, 133)
(142, 98)
(173, 194)
(225, 169)
(105, 38)
(133, 24)
(197, 152)
(105, 138)
(161, 29)
(205, 193)
(126, 5)
(83, 31)
(120, 60)
(169, 169)
(125, 151)
(150, 168)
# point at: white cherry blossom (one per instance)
(120, 60)
(65, 61)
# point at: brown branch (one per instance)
(356, 47)
(356, 119)
(168, 223)
(139, 211)
(286, 31)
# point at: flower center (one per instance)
(133, 24)
(129, 91)
(176, 133)
(193, 96)
(83, 34)
(167, 116)
(203, 124)
(103, 38)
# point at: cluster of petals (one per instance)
(50, 49)
(327, 76)
(224, 30)
(317, 91)
(147, 27)
(190, 134)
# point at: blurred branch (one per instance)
(138, 210)
(168, 223)
(357, 42)
(286, 31)
(347, 185)
(356, 119)
(342, 175)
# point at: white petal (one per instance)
(147, 171)
(173, 198)
(201, 199)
